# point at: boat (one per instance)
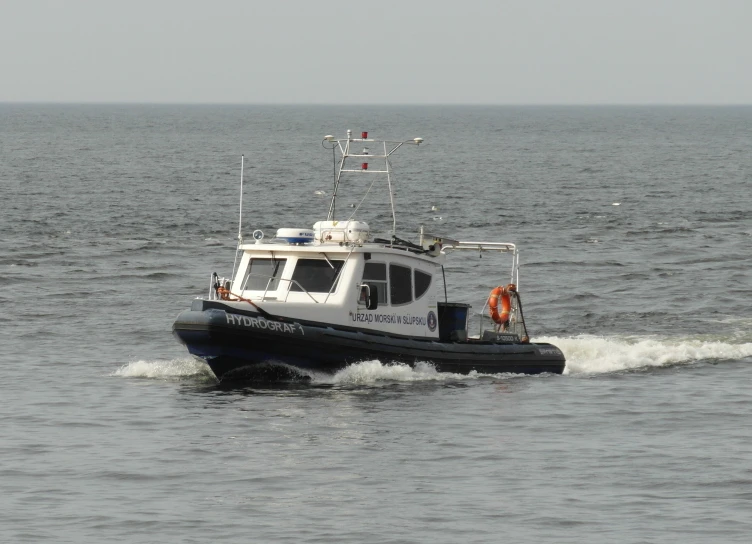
(318, 299)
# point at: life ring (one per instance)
(501, 297)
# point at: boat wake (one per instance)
(586, 355)
(362, 373)
(370, 372)
(598, 354)
(174, 369)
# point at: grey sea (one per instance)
(635, 229)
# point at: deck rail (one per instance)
(214, 278)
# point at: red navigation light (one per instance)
(364, 166)
(364, 135)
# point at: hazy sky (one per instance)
(411, 51)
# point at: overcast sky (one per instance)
(378, 52)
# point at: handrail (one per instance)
(339, 272)
(450, 243)
(279, 279)
(503, 247)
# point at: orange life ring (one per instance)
(501, 296)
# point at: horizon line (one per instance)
(380, 104)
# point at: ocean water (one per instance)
(635, 229)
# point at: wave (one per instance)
(370, 372)
(166, 370)
(586, 355)
(361, 373)
(597, 354)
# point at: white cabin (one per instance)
(361, 284)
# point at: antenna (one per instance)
(344, 146)
(240, 216)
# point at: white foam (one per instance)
(175, 368)
(584, 354)
(372, 372)
(598, 354)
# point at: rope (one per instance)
(225, 294)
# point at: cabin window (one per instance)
(400, 284)
(422, 283)
(315, 275)
(374, 275)
(263, 274)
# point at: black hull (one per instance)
(234, 342)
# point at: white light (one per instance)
(418, 140)
(329, 138)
